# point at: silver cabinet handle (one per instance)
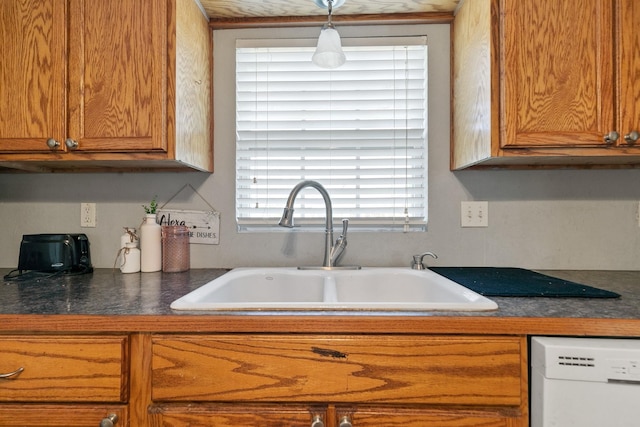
(345, 422)
(71, 144)
(53, 144)
(12, 374)
(109, 421)
(317, 421)
(632, 137)
(611, 137)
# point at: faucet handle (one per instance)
(417, 264)
(345, 226)
(337, 250)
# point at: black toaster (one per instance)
(55, 253)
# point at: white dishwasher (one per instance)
(585, 382)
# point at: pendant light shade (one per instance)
(329, 52)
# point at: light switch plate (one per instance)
(474, 214)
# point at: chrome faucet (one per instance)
(332, 252)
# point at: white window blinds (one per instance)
(360, 130)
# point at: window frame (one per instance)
(395, 224)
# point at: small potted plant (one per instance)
(152, 208)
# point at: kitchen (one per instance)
(539, 219)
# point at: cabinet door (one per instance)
(236, 415)
(32, 74)
(629, 62)
(557, 80)
(117, 71)
(416, 417)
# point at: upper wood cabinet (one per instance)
(105, 85)
(32, 74)
(546, 83)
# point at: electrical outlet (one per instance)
(474, 214)
(87, 214)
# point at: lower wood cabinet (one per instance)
(338, 381)
(57, 380)
(266, 380)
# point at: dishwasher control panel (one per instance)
(587, 359)
(624, 369)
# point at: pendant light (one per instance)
(329, 52)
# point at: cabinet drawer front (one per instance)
(414, 369)
(64, 369)
(60, 415)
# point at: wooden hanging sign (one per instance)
(204, 226)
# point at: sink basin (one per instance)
(399, 289)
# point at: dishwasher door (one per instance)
(585, 382)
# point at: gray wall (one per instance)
(564, 219)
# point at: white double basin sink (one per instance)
(398, 289)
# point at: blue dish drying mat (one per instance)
(518, 282)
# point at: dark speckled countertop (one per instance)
(107, 292)
(103, 292)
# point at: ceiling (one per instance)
(239, 10)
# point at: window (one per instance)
(360, 130)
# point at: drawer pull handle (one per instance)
(345, 422)
(109, 421)
(12, 374)
(317, 421)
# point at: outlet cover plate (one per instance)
(87, 214)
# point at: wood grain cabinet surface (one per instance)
(63, 380)
(217, 380)
(545, 83)
(108, 85)
(263, 379)
(221, 415)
